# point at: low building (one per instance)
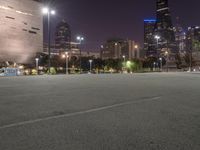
(94, 55)
(119, 48)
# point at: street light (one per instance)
(80, 39)
(67, 62)
(167, 54)
(154, 65)
(90, 65)
(124, 58)
(36, 64)
(47, 11)
(161, 63)
(157, 39)
(123, 66)
(136, 46)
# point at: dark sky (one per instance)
(98, 20)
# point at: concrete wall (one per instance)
(21, 30)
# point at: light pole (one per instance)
(49, 12)
(36, 63)
(167, 54)
(157, 40)
(66, 56)
(90, 65)
(80, 39)
(154, 65)
(157, 37)
(124, 58)
(123, 67)
(137, 55)
(161, 63)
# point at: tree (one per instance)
(189, 59)
(178, 61)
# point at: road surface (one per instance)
(158, 111)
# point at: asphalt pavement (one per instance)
(155, 111)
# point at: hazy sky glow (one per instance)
(99, 20)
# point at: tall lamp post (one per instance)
(90, 65)
(66, 56)
(36, 64)
(161, 63)
(154, 65)
(137, 54)
(123, 67)
(80, 39)
(157, 40)
(167, 54)
(124, 57)
(49, 12)
(157, 37)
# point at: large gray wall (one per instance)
(21, 30)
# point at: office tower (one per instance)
(180, 36)
(63, 37)
(149, 41)
(164, 29)
(193, 42)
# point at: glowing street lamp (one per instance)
(47, 11)
(161, 63)
(90, 61)
(157, 39)
(80, 39)
(37, 66)
(66, 55)
(167, 54)
(136, 46)
(124, 58)
(154, 65)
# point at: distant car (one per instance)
(2, 72)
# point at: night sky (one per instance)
(98, 20)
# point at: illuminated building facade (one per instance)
(118, 48)
(193, 42)
(21, 30)
(164, 28)
(149, 41)
(63, 37)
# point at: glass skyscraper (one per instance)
(63, 37)
(149, 41)
(164, 27)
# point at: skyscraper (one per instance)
(63, 37)
(193, 42)
(21, 30)
(149, 46)
(164, 28)
(180, 36)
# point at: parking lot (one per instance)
(154, 111)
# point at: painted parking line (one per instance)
(77, 113)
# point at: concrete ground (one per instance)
(101, 112)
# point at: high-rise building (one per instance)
(63, 37)
(149, 41)
(164, 28)
(117, 48)
(180, 36)
(193, 41)
(21, 34)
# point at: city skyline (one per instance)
(124, 20)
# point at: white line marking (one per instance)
(77, 113)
